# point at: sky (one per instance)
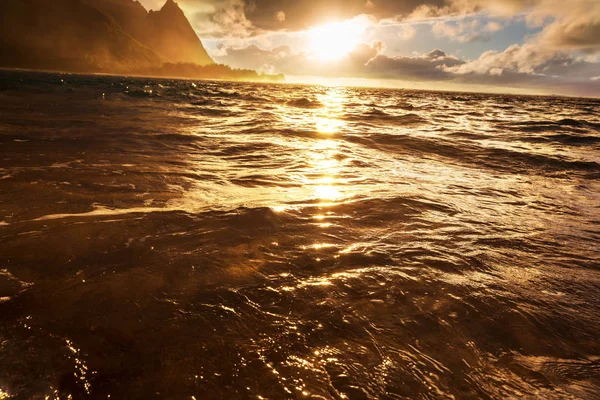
(524, 46)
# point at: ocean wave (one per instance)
(304, 103)
(545, 126)
(568, 139)
(378, 116)
(487, 157)
(246, 240)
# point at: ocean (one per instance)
(184, 239)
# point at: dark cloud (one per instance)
(425, 68)
(301, 14)
(294, 15)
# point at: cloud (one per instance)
(280, 16)
(427, 67)
(574, 24)
(259, 16)
(526, 59)
(530, 66)
(466, 31)
(566, 51)
(568, 24)
(524, 66)
(406, 32)
(225, 18)
(301, 14)
(577, 29)
(366, 61)
(277, 59)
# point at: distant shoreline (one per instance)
(228, 74)
(283, 80)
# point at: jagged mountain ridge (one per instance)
(167, 31)
(95, 36)
(178, 40)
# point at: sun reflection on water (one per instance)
(327, 125)
(324, 154)
(327, 119)
(327, 192)
(322, 179)
(4, 394)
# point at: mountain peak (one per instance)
(167, 31)
(177, 40)
(170, 4)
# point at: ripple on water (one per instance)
(240, 240)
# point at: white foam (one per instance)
(103, 211)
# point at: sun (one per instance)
(334, 40)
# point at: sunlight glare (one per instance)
(334, 40)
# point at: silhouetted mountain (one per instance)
(168, 31)
(176, 38)
(67, 35)
(111, 36)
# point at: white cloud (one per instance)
(406, 32)
(573, 24)
(525, 59)
(466, 30)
